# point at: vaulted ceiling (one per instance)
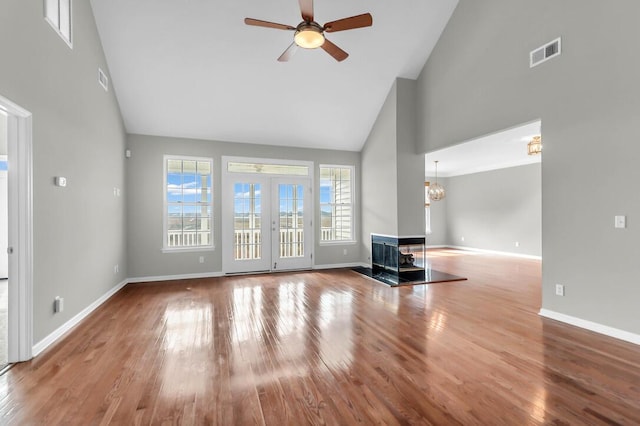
(192, 68)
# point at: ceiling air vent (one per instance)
(103, 80)
(544, 53)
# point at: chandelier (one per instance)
(436, 191)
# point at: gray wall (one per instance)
(145, 202)
(478, 81)
(392, 170)
(410, 184)
(438, 235)
(379, 176)
(77, 133)
(492, 210)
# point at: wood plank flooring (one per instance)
(330, 347)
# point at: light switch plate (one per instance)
(620, 221)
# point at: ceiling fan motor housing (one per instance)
(309, 35)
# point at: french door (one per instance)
(266, 223)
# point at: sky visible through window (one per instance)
(189, 202)
(187, 190)
(336, 212)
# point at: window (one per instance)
(58, 15)
(427, 209)
(267, 168)
(188, 203)
(336, 203)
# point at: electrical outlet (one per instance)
(116, 268)
(201, 259)
(344, 252)
(461, 238)
(559, 290)
(517, 244)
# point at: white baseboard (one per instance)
(222, 274)
(593, 326)
(53, 337)
(175, 277)
(501, 253)
(337, 265)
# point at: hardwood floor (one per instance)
(330, 347)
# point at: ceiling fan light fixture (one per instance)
(309, 37)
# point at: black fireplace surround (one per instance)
(397, 260)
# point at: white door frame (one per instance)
(20, 152)
(4, 217)
(226, 195)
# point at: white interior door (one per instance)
(266, 223)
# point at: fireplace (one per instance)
(397, 260)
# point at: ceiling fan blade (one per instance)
(306, 8)
(333, 50)
(358, 21)
(288, 53)
(267, 24)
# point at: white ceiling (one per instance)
(192, 68)
(499, 150)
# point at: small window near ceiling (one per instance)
(188, 206)
(58, 14)
(336, 204)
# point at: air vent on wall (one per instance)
(544, 53)
(103, 80)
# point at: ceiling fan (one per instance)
(310, 35)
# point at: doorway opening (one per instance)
(19, 231)
(493, 197)
(267, 222)
(4, 244)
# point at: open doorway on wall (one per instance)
(4, 244)
(493, 194)
(16, 246)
